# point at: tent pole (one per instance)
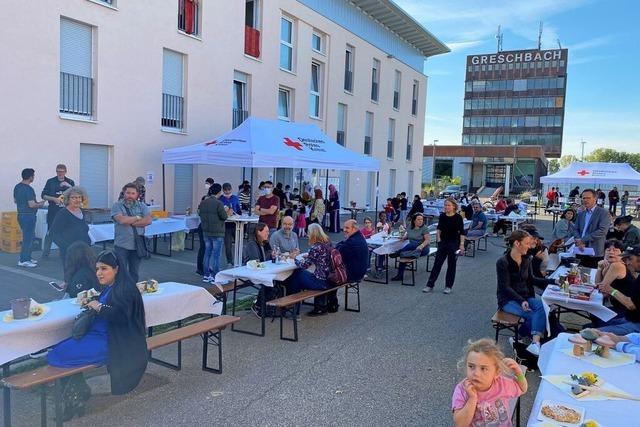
(326, 185)
(164, 199)
(251, 193)
(377, 191)
(243, 174)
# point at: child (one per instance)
(389, 210)
(301, 222)
(367, 230)
(482, 398)
(382, 224)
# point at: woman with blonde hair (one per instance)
(69, 225)
(317, 207)
(319, 255)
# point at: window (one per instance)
(317, 42)
(396, 90)
(286, 44)
(240, 98)
(172, 85)
(189, 17)
(391, 190)
(182, 188)
(94, 173)
(314, 90)
(76, 82)
(414, 98)
(348, 68)
(368, 132)
(390, 138)
(284, 104)
(520, 84)
(342, 125)
(410, 142)
(252, 28)
(410, 182)
(375, 80)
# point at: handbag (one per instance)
(139, 241)
(82, 323)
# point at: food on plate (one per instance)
(589, 335)
(604, 345)
(255, 264)
(586, 378)
(576, 389)
(561, 413)
(590, 423)
(37, 310)
(149, 286)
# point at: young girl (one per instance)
(389, 210)
(367, 231)
(382, 224)
(482, 398)
(301, 222)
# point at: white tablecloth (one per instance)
(104, 232)
(174, 301)
(191, 221)
(266, 276)
(609, 413)
(386, 246)
(594, 306)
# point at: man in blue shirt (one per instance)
(25, 199)
(232, 203)
(478, 221)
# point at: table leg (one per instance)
(238, 244)
(6, 397)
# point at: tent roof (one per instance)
(596, 173)
(272, 144)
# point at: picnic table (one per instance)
(240, 221)
(385, 245)
(553, 361)
(556, 212)
(564, 304)
(354, 211)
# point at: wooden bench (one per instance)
(474, 242)
(210, 329)
(411, 264)
(432, 253)
(287, 305)
(502, 320)
(221, 291)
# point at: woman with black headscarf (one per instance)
(117, 337)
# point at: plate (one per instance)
(8, 317)
(552, 404)
(159, 291)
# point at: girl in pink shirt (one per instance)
(482, 398)
(301, 222)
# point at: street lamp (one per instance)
(582, 155)
(433, 162)
(513, 172)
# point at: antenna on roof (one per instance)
(499, 38)
(559, 45)
(540, 37)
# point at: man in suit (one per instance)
(592, 224)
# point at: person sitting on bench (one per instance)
(117, 337)
(478, 221)
(501, 224)
(418, 236)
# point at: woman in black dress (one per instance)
(450, 238)
(69, 225)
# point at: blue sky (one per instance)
(603, 95)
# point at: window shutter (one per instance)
(183, 188)
(75, 48)
(94, 174)
(172, 73)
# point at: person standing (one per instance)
(551, 197)
(213, 215)
(25, 199)
(416, 206)
(403, 208)
(267, 206)
(450, 238)
(600, 196)
(614, 198)
(127, 214)
(279, 193)
(244, 197)
(207, 186)
(232, 204)
(591, 227)
(52, 192)
(334, 209)
(69, 225)
(623, 203)
(317, 208)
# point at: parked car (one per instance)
(452, 191)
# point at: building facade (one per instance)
(104, 85)
(516, 98)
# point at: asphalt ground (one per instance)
(394, 363)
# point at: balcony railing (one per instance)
(340, 137)
(76, 94)
(172, 111)
(374, 91)
(188, 17)
(396, 99)
(348, 80)
(239, 116)
(251, 41)
(409, 152)
(367, 145)
(390, 149)
(414, 106)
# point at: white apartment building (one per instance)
(104, 85)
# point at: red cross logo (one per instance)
(210, 143)
(583, 172)
(294, 144)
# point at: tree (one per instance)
(609, 155)
(554, 166)
(566, 160)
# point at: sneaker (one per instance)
(534, 348)
(256, 310)
(446, 291)
(34, 261)
(316, 313)
(427, 290)
(27, 264)
(207, 279)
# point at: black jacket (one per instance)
(82, 280)
(416, 207)
(516, 284)
(127, 342)
(67, 229)
(355, 255)
(253, 251)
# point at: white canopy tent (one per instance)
(260, 143)
(594, 173)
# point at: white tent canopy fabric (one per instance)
(260, 143)
(594, 173)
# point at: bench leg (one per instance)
(484, 238)
(347, 290)
(412, 269)
(213, 339)
(6, 398)
(43, 405)
(294, 318)
(176, 367)
(58, 402)
(263, 308)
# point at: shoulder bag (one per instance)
(82, 323)
(140, 241)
